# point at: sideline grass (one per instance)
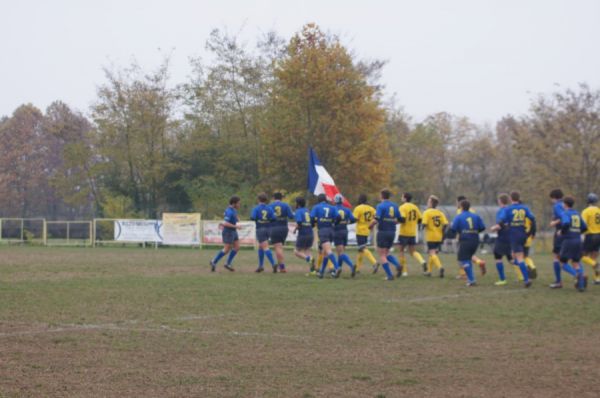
(144, 322)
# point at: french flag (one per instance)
(319, 180)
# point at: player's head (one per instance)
(459, 199)
(300, 202)
(277, 196)
(407, 197)
(515, 196)
(556, 195)
(503, 199)
(263, 198)
(338, 199)
(569, 202)
(385, 194)
(592, 198)
(465, 205)
(321, 198)
(234, 201)
(433, 201)
(362, 199)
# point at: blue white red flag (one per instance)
(319, 180)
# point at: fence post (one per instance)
(0, 230)
(93, 234)
(68, 227)
(22, 230)
(45, 233)
(90, 234)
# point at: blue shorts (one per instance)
(326, 235)
(570, 249)
(502, 249)
(467, 249)
(556, 243)
(385, 239)
(305, 241)
(278, 234)
(591, 243)
(262, 234)
(517, 242)
(407, 240)
(229, 236)
(340, 238)
(362, 241)
(434, 246)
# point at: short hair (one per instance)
(362, 199)
(465, 205)
(569, 201)
(300, 201)
(515, 196)
(407, 196)
(503, 198)
(234, 199)
(460, 198)
(592, 198)
(435, 201)
(277, 196)
(321, 198)
(385, 193)
(557, 194)
(263, 198)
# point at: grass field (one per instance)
(144, 322)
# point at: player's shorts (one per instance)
(434, 246)
(385, 239)
(362, 241)
(517, 242)
(305, 241)
(278, 234)
(570, 249)
(502, 249)
(326, 235)
(407, 240)
(340, 238)
(526, 251)
(229, 236)
(556, 243)
(591, 243)
(262, 234)
(467, 249)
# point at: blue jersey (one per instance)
(387, 215)
(324, 215)
(263, 215)
(346, 217)
(557, 212)
(304, 222)
(503, 233)
(468, 225)
(230, 216)
(572, 225)
(515, 215)
(283, 212)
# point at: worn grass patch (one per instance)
(144, 322)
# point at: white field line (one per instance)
(121, 326)
(452, 296)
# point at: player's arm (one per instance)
(378, 215)
(583, 225)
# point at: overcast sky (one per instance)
(482, 59)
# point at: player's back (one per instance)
(387, 214)
(591, 216)
(364, 215)
(434, 221)
(411, 215)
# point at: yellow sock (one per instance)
(359, 261)
(529, 262)
(319, 260)
(429, 262)
(403, 264)
(370, 256)
(588, 260)
(417, 256)
(329, 265)
(461, 271)
(518, 272)
(478, 261)
(435, 260)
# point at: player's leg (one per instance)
(530, 264)
(412, 249)
(498, 255)
(466, 250)
(556, 261)
(481, 263)
(402, 263)
(520, 260)
(385, 240)
(235, 247)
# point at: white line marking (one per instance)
(451, 296)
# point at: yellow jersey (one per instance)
(591, 216)
(529, 240)
(411, 215)
(364, 215)
(434, 221)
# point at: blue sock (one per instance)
(345, 259)
(500, 269)
(524, 271)
(261, 258)
(324, 264)
(231, 256)
(269, 255)
(569, 270)
(388, 272)
(219, 256)
(332, 258)
(282, 266)
(307, 258)
(468, 266)
(557, 276)
(394, 261)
